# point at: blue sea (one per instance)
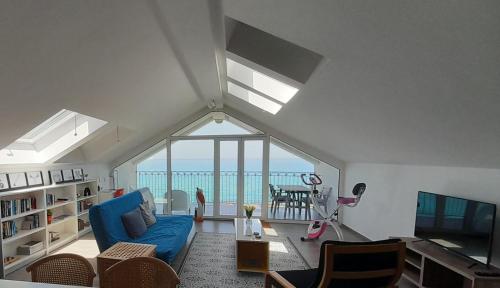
(188, 174)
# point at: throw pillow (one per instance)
(147, 214)
(134, 223)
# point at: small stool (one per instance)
(122, 251)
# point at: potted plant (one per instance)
(49, 216)
(249, 210)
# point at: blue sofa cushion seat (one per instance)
(169, 233)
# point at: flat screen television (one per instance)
(459, 225)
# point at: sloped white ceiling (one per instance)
(402, 81)
(107, 59)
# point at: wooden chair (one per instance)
(64, 269)
(140, 272)
(348, 264)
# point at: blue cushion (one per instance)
(134, 223)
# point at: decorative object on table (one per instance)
(55, 176)
(249, 210)
(78, 174)
(200, 211)
(54, 236)
(49, 216)
(87, 192)
(30, 248)
(248, 227)
(4, 182)
(17, 180)
(35, 178)
(67, 175)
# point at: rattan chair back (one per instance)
(64, 269)
(140, 272)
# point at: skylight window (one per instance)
(51, 139)
(260, 82)
(256, 87)
(253, 98)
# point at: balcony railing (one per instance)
(189, 180)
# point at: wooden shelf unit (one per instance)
(429, 265)
(67, 227)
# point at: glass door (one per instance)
(192, 167)
(252, 175)
(228, 177)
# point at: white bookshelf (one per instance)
(65, 213)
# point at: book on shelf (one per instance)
(31, 222)
(17, 206)
(9, 229)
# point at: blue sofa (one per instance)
(169, 233)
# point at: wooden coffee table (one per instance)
(252, 254)
(122, 251)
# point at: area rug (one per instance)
(211, 262)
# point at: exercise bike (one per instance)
(318, 227)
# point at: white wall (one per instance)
(126, 176)
(389, 204)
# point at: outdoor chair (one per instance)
(180, 201)
(277, 198)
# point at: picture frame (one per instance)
(78, 174)
(67, 175)
(55, 176)
(4, 182)
(17, 180)
(35, 178)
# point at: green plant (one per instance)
(49, 212)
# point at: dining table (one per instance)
(297, 193)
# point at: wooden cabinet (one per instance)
(428, 265)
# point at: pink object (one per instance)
(346, 200)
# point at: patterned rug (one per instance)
(211, 262)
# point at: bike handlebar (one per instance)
(313, 179)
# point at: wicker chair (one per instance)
(64, 269)
(140, 272)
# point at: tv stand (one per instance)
(428, 265)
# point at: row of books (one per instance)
(84, 205)
(31, 222)
(51, 199)
(17, 206)
(9, 229)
